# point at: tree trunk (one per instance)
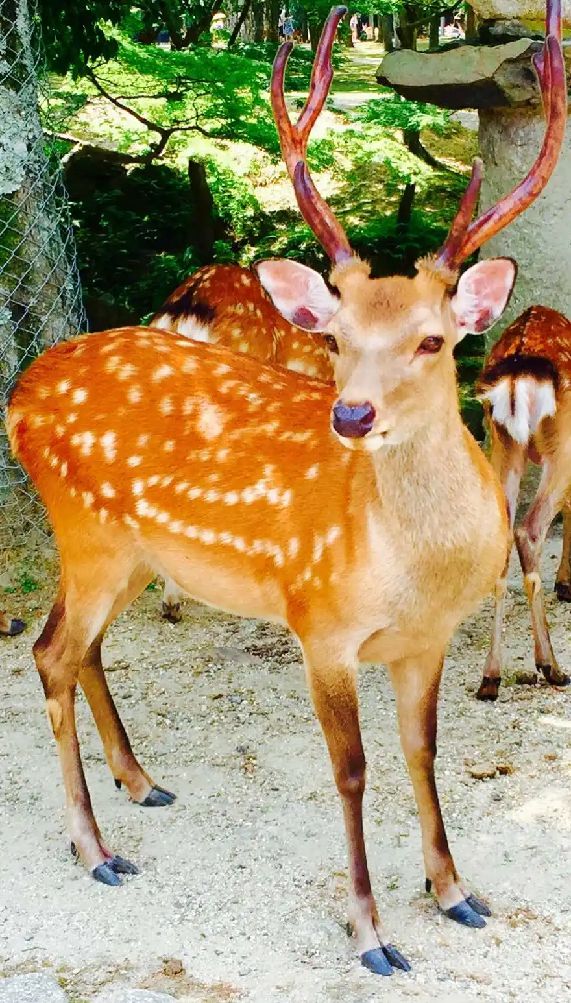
(258, 18)
(315, 28)
(388, 32)
(201, 24)
(205, 233)
(434, 32)
(272, 17)
(239, 23)
(471, 24)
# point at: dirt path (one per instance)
(244, 878)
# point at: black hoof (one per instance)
(16, 627)
(118, 784)
(376, 961)
(489, 688)
(121, 866)
(157, 798)
(172, 612)
(464, 913)
(554, 676)
(478, 906)
(106, 874)
(396, 959)
(563, 591)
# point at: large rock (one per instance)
(471, 76)
(529, 10)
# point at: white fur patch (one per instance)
(188, 326)
(533, 401)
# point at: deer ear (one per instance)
(299, 293)
(482, 295)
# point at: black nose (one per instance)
(353, 421)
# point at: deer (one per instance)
(227, 305)
(526, 390)
(363, 515)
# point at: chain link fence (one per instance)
(40, 296)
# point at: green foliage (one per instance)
(395, 112)
(236, 208)
(74, 31)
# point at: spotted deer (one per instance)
(526, 390)
(227, 305)
(364, 516)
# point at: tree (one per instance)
(73, 31)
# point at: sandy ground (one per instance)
(244, 879)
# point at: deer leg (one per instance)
(59, 652)
(530, 537)
(416, 683)
(563, 576)
(508, 459)
(334, 694)
(171, 602)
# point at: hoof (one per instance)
(563, 591)
(118, 784)
(489, 688)
(16, 627)
(383, 960)
(554, 675)
(158, 798)
(478, 906)
(171, 612)
(465, 914)
(109, 872)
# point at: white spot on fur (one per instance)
(63, 386)
(211, 421)
(169, 445)
(107, 490)
(162, 372)
(127, 371)
(108, 443)
(189, 366)
(134, 395)
(79, 395)
(137, 487)
(166, 405)
(312, 472)
(134, 461)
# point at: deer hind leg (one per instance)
(85, 602)
(416, 683)
(508, 459)
(530, 537)
(172, 596)
(334, 694)
(118, 753)
(563, 576)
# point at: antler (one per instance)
(293, 138)
(464, 237)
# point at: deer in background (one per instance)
(227, 305)
(526, 390)
(364, 516)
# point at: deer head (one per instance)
(392, 339)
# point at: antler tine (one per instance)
(294, 138)
(550, 67)
(462, 218)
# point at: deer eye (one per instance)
(331, 343)
(430, 345)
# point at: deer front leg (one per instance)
(334, 694)
(416, 683)
(530, 537)
(563, 576)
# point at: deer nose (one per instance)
(353, 421)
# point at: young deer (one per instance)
(227, 305)
(526, 386)
(244, 495)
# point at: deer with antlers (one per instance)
(526, 389)
(364, 516)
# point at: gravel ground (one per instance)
(243, 883)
